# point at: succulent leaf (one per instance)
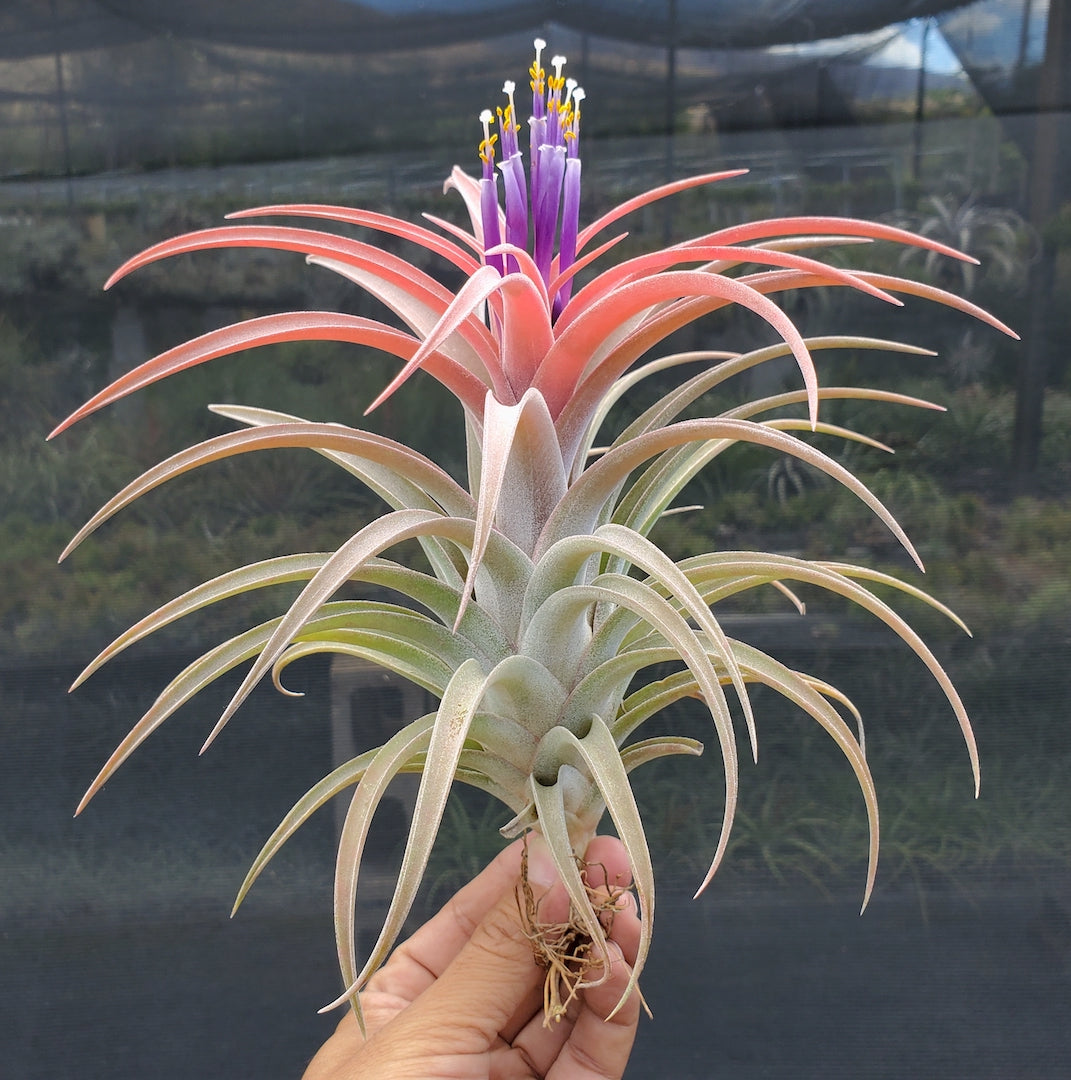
(205, 670)
(322, 792)
(596, 755)
(450, 728)
(388, 761)
(280, 571)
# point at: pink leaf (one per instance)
(285, 238)
(369, 219)
(649, 197)
(560, 278)
(525, 335)
(645, 265)
(801, 226)
(459, 313)
(565, 363)
(270, 330)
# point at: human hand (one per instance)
(463, 998)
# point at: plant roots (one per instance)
(565, 951)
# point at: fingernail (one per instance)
(625, 902)
(541, 868)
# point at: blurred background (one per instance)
(123, 122)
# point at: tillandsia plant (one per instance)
(543, 601)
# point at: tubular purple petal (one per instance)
(537, 136)
(492, 233)
(570, 228)
(545, 203)
(514, 182)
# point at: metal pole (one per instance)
(920, 101)
(1045, 176)
(61, 99)
(671, 112)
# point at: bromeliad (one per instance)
(543, 601)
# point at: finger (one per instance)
(608, 872)
(543, 1045)
(495, 973)
(422, 958)
(607, 864)
(334, 1058)
(625, 927)
(598, 1048)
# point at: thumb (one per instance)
(493, 986)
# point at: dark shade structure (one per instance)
(87, 85)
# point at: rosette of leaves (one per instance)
(543, 600)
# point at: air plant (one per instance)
(543, 601)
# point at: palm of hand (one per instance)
(463, 999)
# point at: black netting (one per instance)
(88, 86)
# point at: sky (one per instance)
(904, 50)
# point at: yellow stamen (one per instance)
(511, 109)
(578, 96)
(487, 145)
(538, 75)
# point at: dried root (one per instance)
(565, 950)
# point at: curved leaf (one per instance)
(749, 231)
(549, 801)
(471, 346)
(717, 258)
(322, 792)
(280, 571)
(597, 756)
(637, 202)
(565, 363)
(449, 730)
(458, 317)
(389, 760)
(798, 690)
(271, 330)
(397, 492)
(414, 467)
(579, 511)
(716, 566)
(387, 531)
(647, 499)
(206, 669)
(420, 656)
(639, 753)
(622, 386)
(604, 688)
(370, 220)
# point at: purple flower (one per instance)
(551, 194)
